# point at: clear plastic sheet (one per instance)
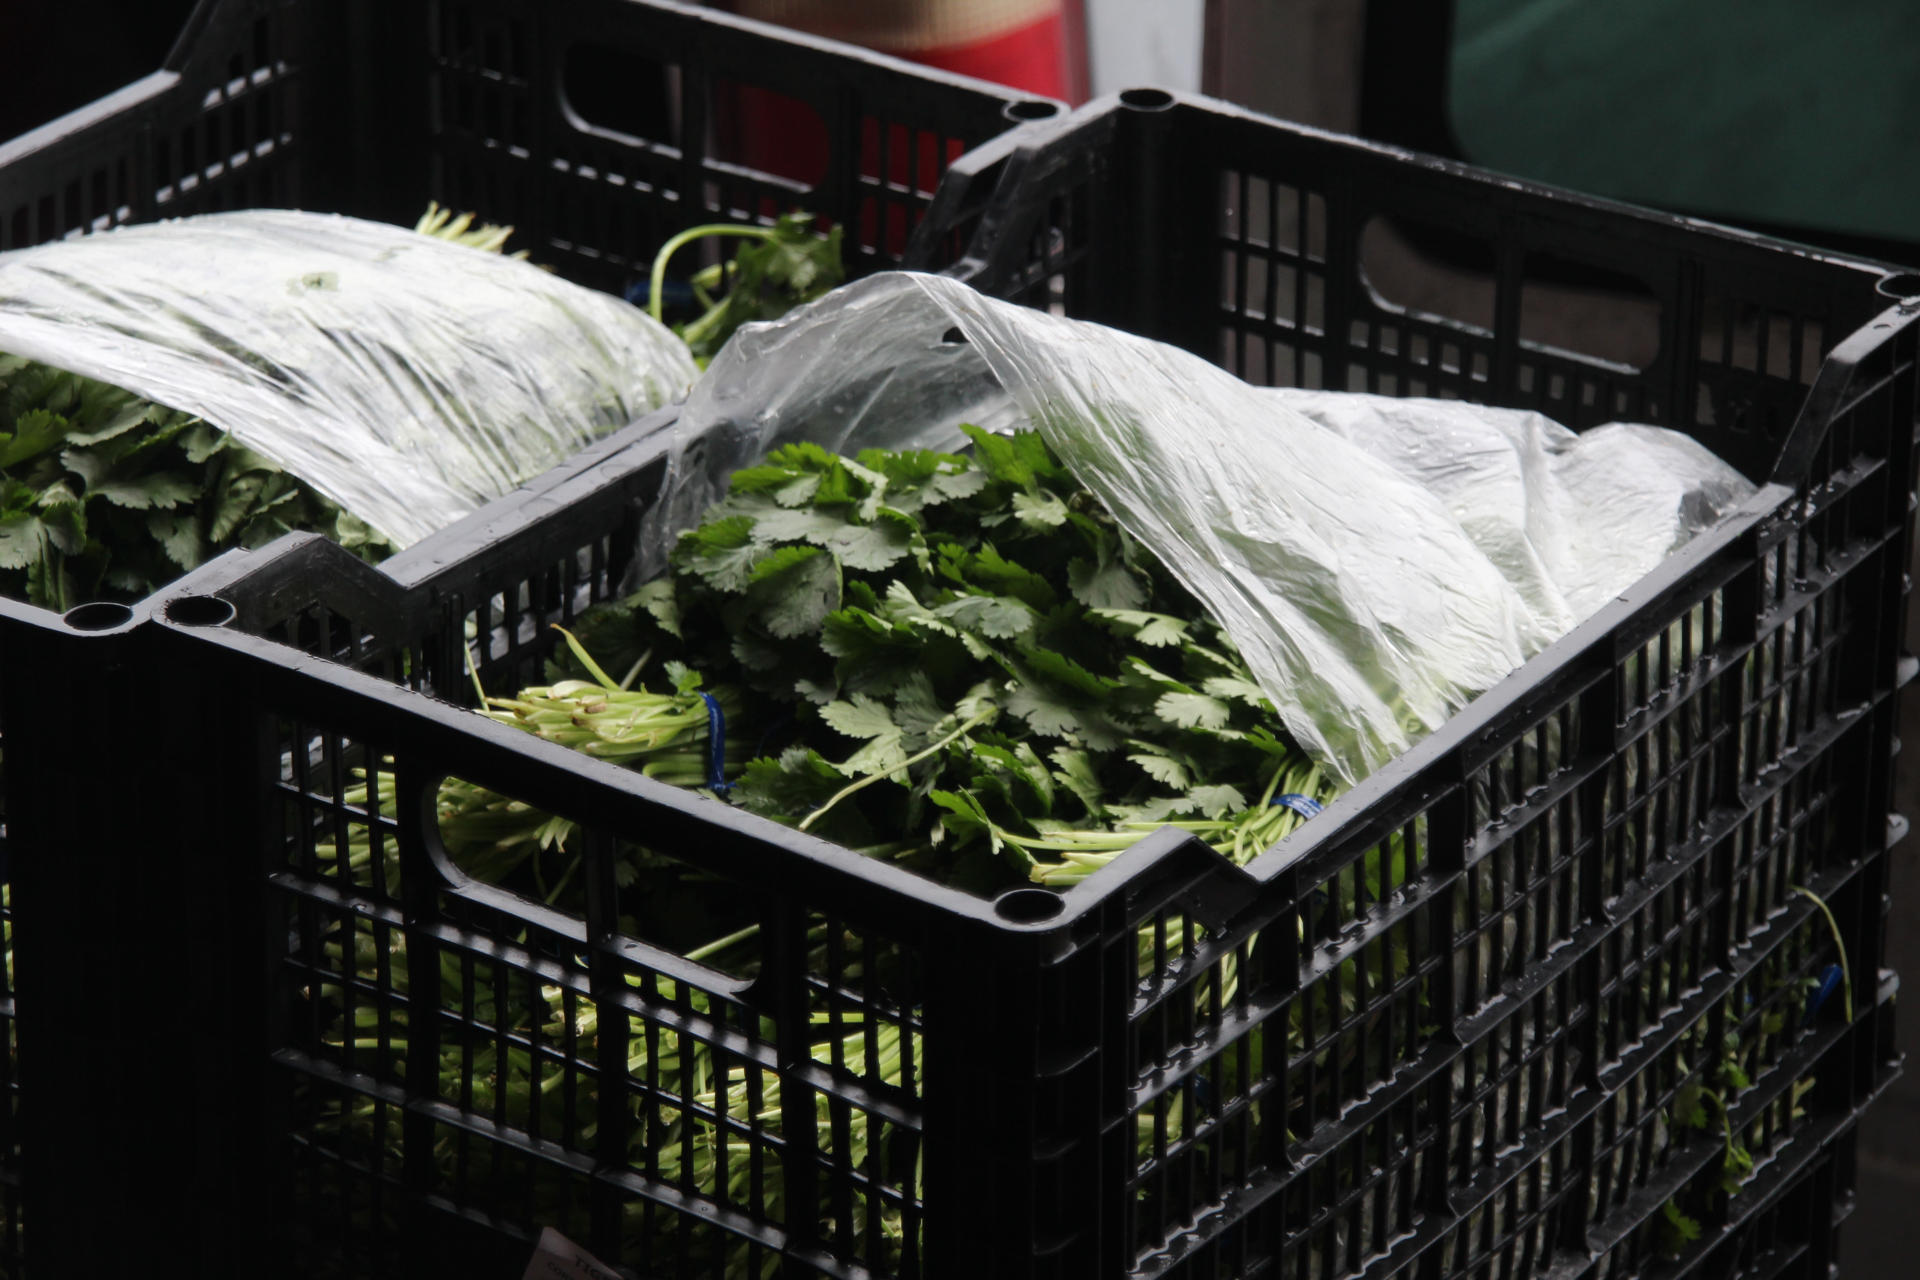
(408, 379)
(1570, 518)
(1379, 562)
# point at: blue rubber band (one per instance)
(716, 746)
(1305, 806)
(674, 293)
(1829, 983)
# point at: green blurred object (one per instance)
(1779, 113)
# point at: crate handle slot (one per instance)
(620, 95)
(1904, 286)
(101, 615)
(1028, 906)
(1595, 313)
(200, 611)
(1146, 99)
(1031, 109)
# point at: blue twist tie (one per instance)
(673, 293)
(716, 747)
(1829, 983)
(1305, 806)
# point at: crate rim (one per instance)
(1180, 101)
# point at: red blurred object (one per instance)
(1035, 45)
(1029, 57)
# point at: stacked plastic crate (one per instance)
(1551, 994)
(597, 129)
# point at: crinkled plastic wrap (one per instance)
(1378, 561)
(409, 379)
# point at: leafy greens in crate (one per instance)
(408, 377)
(967, 663)
(108, 494)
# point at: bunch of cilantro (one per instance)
(104, 495)
(775, 269)
(961, 662)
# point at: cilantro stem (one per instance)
(473, 672)
(659, 281)
(586, 659)
(1839, 944)
(721, 944)
(966, 726)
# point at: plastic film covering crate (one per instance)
(1464, 1023)
(598, 128)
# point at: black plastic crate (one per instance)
(598, 128)
(1787, 1226)
(1476, 1074)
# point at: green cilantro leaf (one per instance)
(964, 819)
(872, 547)
(917, 708)
(797, 782)
(1682, 1230)
(722, 552)
(1039, 511)
(125, 417)
(661, 604)
(66, 525)
(33, 434)
(1107, 585)
(997, 617)
(1218, 800)
(178, 534)
(1236, 689)
(956, 484)
(162, 491)
(1073, 769)
(1193, 710)
(1044, 711)
(863, 717)
(1155, 630)
(1163, 769)
(781, 524)
(23, 539)
(202, 443)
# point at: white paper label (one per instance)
(558, 1258)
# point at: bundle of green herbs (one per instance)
(107, 496)
(960, 662)
(104, 496)
(773, 270)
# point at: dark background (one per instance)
(56, 55)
